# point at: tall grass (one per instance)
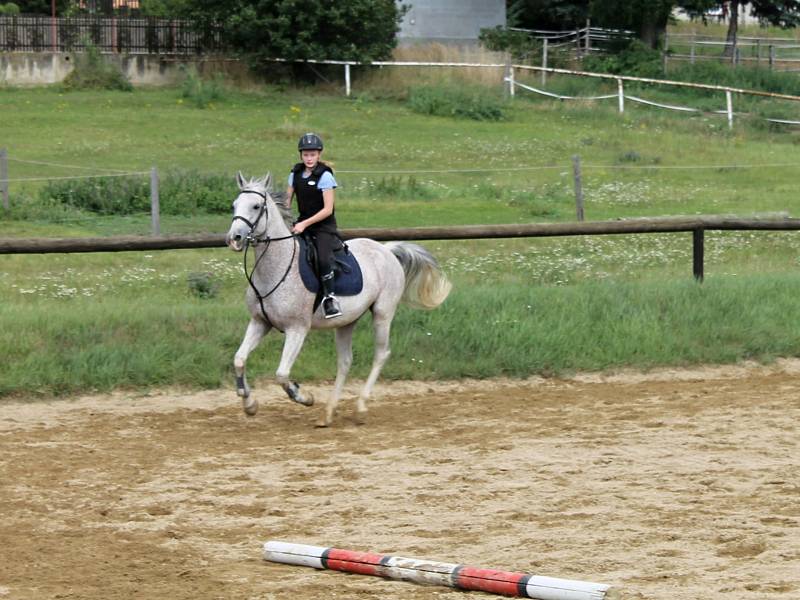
(481, 331)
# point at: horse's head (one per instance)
(255, 214)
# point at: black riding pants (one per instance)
(326, 242)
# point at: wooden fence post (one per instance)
(544, 61)
(620, 96)
(588, 37)
(508, 88)
(698, 248)
(576, 168)
(771, 57)
(4, 178)
(665, 52)
(154, 202)
(692, 50)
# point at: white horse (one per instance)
(277, 297)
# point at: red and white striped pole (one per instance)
(437, 573)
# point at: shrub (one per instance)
(635, 59)
(754, 78)
(180, 192)
(203, 285)
(92, 71)
(469, 103)
(202, 92)
(112, 196)
(519, 44)
(9, 9)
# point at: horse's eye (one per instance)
(256, 206)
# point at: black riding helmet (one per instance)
(310, 141)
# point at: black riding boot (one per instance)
(330, 305)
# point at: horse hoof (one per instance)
(304, 400)
(250, 407)
(293, 391)
(323, 423)
(361, 417)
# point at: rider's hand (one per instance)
(298, 228)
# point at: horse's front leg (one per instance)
(291, 348)
(256, 329)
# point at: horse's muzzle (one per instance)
(235, 241)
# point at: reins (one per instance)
(255, 241)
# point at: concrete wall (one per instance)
(42, 68)
(34, 68)
(449, 21)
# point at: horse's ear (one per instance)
(240, 180)
(268, 181)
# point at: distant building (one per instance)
(449, 21)
(107, 7)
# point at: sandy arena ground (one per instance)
(668, 485)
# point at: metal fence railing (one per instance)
(108, 34)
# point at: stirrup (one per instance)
(330, 307)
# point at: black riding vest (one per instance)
(309, 198)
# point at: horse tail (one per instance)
(426, 284)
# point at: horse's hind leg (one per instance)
(292, 344)
(344, 358)
(381, 324)
(256, 329)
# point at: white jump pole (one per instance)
(436, 573)
(729, 102)
(347, 79)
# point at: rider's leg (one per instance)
(325, 246)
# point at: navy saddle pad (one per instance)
(348, 280)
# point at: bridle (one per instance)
(251, 239)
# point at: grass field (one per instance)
(82, 322)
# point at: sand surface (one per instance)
(670, 484)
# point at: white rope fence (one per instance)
(5, 180)
(63, 166)
(509, 80)
(621, 97)
(130, 174)
(562, 168)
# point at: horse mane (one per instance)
(283, 206)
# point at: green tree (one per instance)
(647, 18)
(547, 14)
(303, 29)
(42, 7)
(781, 13)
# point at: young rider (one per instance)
(313, 183)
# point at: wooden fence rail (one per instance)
(697, 225)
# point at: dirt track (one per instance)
(671, 485)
